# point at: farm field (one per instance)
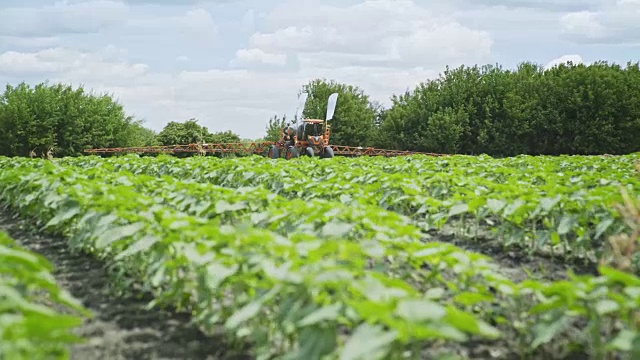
(351, 258)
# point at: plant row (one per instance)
(562, 206)
(218, 251)
(292, 295)
(37, 316)
(385, 233)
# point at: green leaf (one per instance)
(223, 206)
(616, 275)
(368, 342)
(118, 233)
(330, 312)
(496, 205)
(420, 310)
(566, 223)
(602, 227)
(314, 343)
(63, 216)
(544, 332)
(243, 314)
(337, 229)
(512, 207)
(434, 293)
(472, 298)
(606, 306)
(548, 203)
(141, 245)
(624, 341)
(217, 273)
(469, 323)
(458, 209)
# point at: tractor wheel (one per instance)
(274, 152)
(292, 152)
(328, 152)
(309, 151)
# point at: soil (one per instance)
(122, 327)
(515, 262)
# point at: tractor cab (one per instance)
(310, 127)
(312, 131)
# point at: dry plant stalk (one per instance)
(32, 153)
(624, 246)
(201, 150)
(50, 153)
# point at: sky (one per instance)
(234, 64)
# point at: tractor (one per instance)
(311, 138)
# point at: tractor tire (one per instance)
(309, 152)
(292, 153)
(274, 152)
(328, 152)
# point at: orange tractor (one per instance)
(311, 138)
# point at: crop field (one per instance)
(348, 258)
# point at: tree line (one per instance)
(568, 109)
(63, 121)
(573, 109)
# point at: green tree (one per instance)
(223, 137)
(142, 136)
(404, 124)
(354, 120)
(445, 129)
(274, 127)
(568, 109)
(59, 117)
(190, 132)
(183, 133)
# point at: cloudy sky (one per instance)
(233, 64)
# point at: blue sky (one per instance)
(234, 64)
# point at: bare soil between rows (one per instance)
(514, 261)
(122, 327)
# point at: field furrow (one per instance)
(120, 327)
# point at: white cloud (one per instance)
(395, 33)
(546, 5)
(583, 23)
(108, 66)
(194, 23)
(615, 22)
(62, 17)
(257, 56)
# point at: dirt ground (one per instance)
(516, 263)
(121, 328)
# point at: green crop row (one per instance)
(294, 294)
(385, 233)
(33, 324)
(223, 252)
(562, 205)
